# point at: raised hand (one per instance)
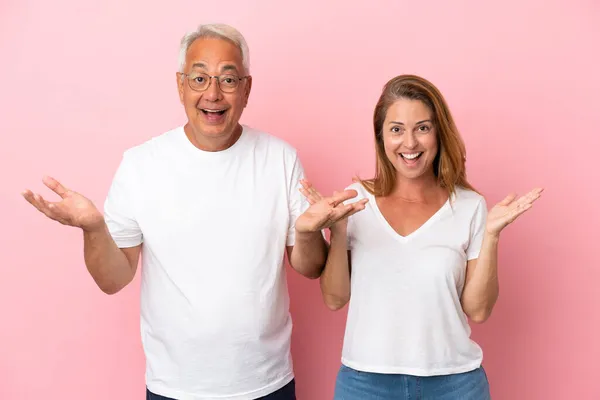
(510, 209)
(73, 209)
(325, 212)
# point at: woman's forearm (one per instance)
(335, 280)
(481, 287)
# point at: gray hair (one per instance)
(218, 31)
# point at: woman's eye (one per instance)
(424, 128)
(396, 129)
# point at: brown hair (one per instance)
(449, 163)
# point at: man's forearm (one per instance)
(309, 254)
(107, 264)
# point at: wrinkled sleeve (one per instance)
(119, 206)
(477, 230)
(297, 202)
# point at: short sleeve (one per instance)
(351, 219)
(477, 230)
(297, 202)
(349, 233)
(119, 207)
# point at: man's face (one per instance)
(213, 112)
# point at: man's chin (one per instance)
(215, 131)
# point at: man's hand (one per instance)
(73, 209)
(325, 212)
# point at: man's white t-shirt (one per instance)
(405, 315)
(215, 321)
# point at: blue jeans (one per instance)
(357, 385)
(288, 392)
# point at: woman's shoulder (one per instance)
(360, 189)
(467, 197)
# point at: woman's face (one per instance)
(410, 138)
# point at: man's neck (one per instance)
(213, 144)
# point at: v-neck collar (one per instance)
(416, 232)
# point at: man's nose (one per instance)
(213, 92)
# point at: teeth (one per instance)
(410, 156)
(213, 111)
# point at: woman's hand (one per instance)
(508, 210)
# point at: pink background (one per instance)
(83, 80)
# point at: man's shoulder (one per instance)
(153, 144)
(270, 141)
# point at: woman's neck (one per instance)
(424, 189)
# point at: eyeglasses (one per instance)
(200, 81)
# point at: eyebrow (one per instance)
(224, 68)
(229, 67)
(402, 123)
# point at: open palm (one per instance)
(73, 209)
(509, 209)
(326, 211)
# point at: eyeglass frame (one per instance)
(210, 79)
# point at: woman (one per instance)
(419, 260)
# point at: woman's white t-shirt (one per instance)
(405, 314)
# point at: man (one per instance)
(211, 206)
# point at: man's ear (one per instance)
(248, 88)
(180, 80)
